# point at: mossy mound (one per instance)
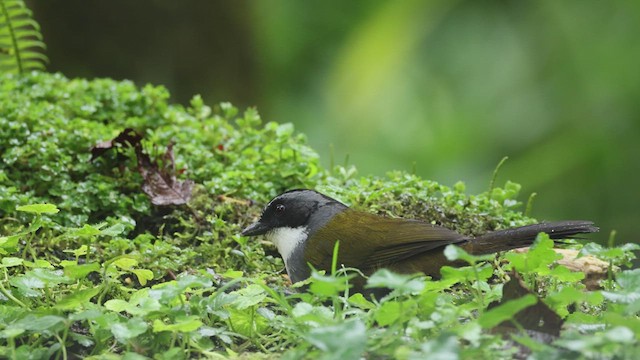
(50, 124)
(111, 275)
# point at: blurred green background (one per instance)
(442, 88)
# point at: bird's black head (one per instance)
(289, 220)
(294, 209)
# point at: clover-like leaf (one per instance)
(78, 298)
(124, 331)
(400, 283)
(143, 275)
(249, 296)
(39, 208)
(185, 324)
(453, 252)
(345, 340)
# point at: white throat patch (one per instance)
(287, 239)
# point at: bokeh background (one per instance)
(442, 88)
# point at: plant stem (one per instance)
(479, 291)
(6, 293)
(528, 209)
(62, 346)
(495, 175)
(610, 242)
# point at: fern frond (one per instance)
(21, 45)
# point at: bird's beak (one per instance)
(257, 228)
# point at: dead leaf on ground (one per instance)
(538, 317)
(160, 182)
(538, 321)
(127, 137)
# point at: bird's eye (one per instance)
(280, 208)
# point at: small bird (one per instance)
(305, 225)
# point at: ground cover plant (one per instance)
(120, 215)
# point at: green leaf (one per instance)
(327, 285)
(359, 301)
(124, 331)
(620, 334)
(117, 305)
(75, 271)
(168, 291)
(11, 261)
(11, 332)
(83, 340)
(139, 307)
(303, 311)
(559, 301)
(139, 296)
(39, 208)
(175, 353)
(453, 252)
(86, 231)
(388, 313)
(193, 281)
(629, 279)
(49, 277)
(29, 351)
(143, 275)
(505, 311)
(345, 340)
(439, 285)
(612, 318)
(82, 250)
(219, 332)
(26, 285)
(248, 322)
(125, 263)
(9, 243)
(444, 347)
(538, 259)
(249, 296)
(38, 263)
(77, 299)
(619, 254)
(145, 306)
(561, 273)
(284, 130)
(402, 284)
(184, 325)
(232, 274)
(466, 273)
(89, 314)
(113, 230)
(629, 292)
(39, 323)
(595, 342)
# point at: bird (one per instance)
(305, 225)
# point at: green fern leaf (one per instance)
(21, 45)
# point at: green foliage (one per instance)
(21, 42)
(89, 268)
(618, 255)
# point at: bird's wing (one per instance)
(368, 241)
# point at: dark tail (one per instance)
(524, 236)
